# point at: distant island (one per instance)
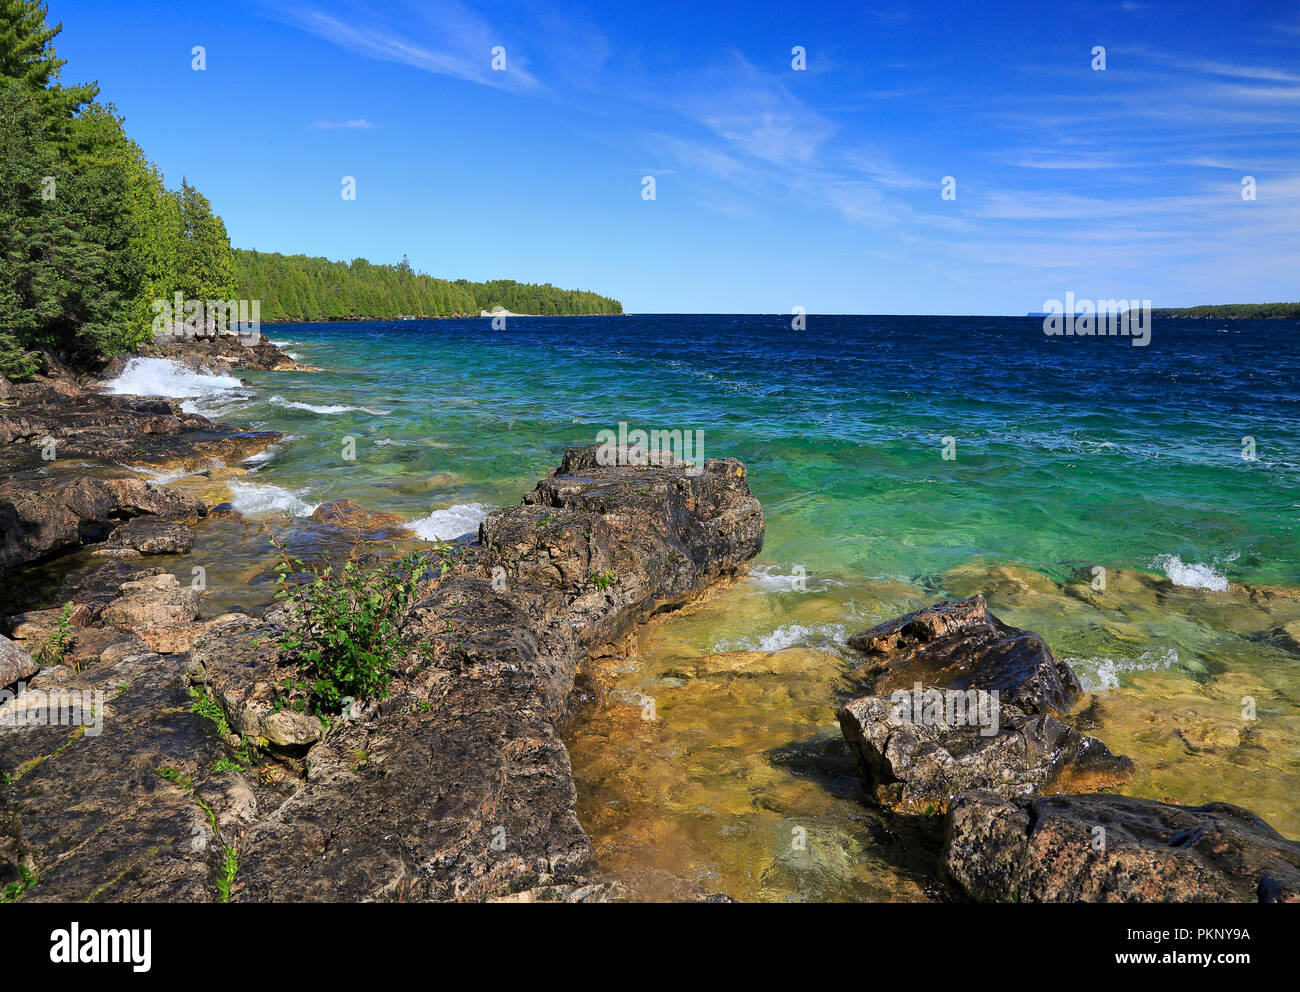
(1252, 310)
(302, 288)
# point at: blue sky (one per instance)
(775, 188)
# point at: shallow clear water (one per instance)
(1070, 454)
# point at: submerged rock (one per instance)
(914, 758)
(1103, 848)
(961, 645)
(370, 524)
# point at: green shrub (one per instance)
(343, 632)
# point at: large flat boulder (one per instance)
(961, 645)
(1105, 848)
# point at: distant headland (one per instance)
(301, 288)
(1257, 311)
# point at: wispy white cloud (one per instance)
(360, 124)
(446, 39)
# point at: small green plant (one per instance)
(13, 890)
(343, 633)
(175, 777)
(55, 647)
(230, 864)
(226, 879)
(603, 580)
(209, 709)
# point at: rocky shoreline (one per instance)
(1013, 782)
(454, 786)
(184, 780)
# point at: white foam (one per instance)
(264, 456)
(454, 521)
(330, 409)
(256, 499)
(1102, 673)
(163, 478)
(164, 377)
(1192, 576)
(824, 636)
(390, 442)
(770, 578)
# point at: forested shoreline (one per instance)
(301, 288)
(91, 236)
(1255, 311)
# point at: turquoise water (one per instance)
(1071, 454)
(1068, 452)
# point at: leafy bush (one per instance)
(343, 632)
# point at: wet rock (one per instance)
(961, 645)
(154, 536)
(15, 663)
(1104, 848)
(372, 525)
(61, 420)
(219, 353)
(41, 516)
(64, 452)
(914, 755)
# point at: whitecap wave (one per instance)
(454, 521)
(262, 457)
(257, 499)
(326, 409)
(1191, 575)
(164, 377)
(1102, 673)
